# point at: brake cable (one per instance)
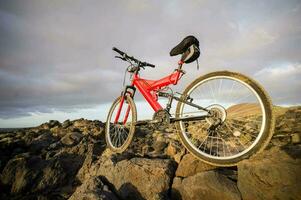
(124, 76)
(126, 70)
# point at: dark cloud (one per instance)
(57, 54)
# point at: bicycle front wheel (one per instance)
(240, 122)
(120, 125)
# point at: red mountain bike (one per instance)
(222, 117)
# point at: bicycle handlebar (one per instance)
(149, 65)
(140, 63)
(118, 51)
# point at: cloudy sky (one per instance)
(56, 60)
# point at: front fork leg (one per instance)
(126, 114)
(119, 109)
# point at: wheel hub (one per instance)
(218, 114)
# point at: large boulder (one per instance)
(206, 186)
(92, 154)
(72, 138)
(137, 178)
(87, 127)
(81, 122)
(175, 150)
(93, 189)
(42, 142)
(190, 165)
(50, 124)
(9, 147)
(273, 174)
(36, 175)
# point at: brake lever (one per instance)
(140, 64)
(122, 58)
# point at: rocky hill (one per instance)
(69, 160)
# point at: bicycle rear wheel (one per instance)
(120, 125)
(241, 120)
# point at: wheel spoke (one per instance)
(203, 142)
(224, 142)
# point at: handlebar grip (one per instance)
(150, 65)
(118, 51)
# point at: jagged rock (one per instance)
(11, 143)
(93, 152)
(296, 138)
(53, 123)
(171, 150)
(10, 147)
(81, 122)
(57, 131)
(41, 142)
(97, 132)
(159, 146)
(31, 135)
(137, 178)
(205, 185)
(274, 174)
(190, 165)
(6, 135)
(66, 123)
(175, 150)
(8, 174)
(33, 174)
(72, 138)
(50, 124)
(93, 189)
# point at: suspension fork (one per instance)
(126, 114)
(119, 109)
(124, 93)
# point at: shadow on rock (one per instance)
(130, 192)
(175, 194)
(294, 151)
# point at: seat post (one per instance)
(180, 63)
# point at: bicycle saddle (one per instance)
(184, 45)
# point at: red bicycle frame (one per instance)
(149, 88)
